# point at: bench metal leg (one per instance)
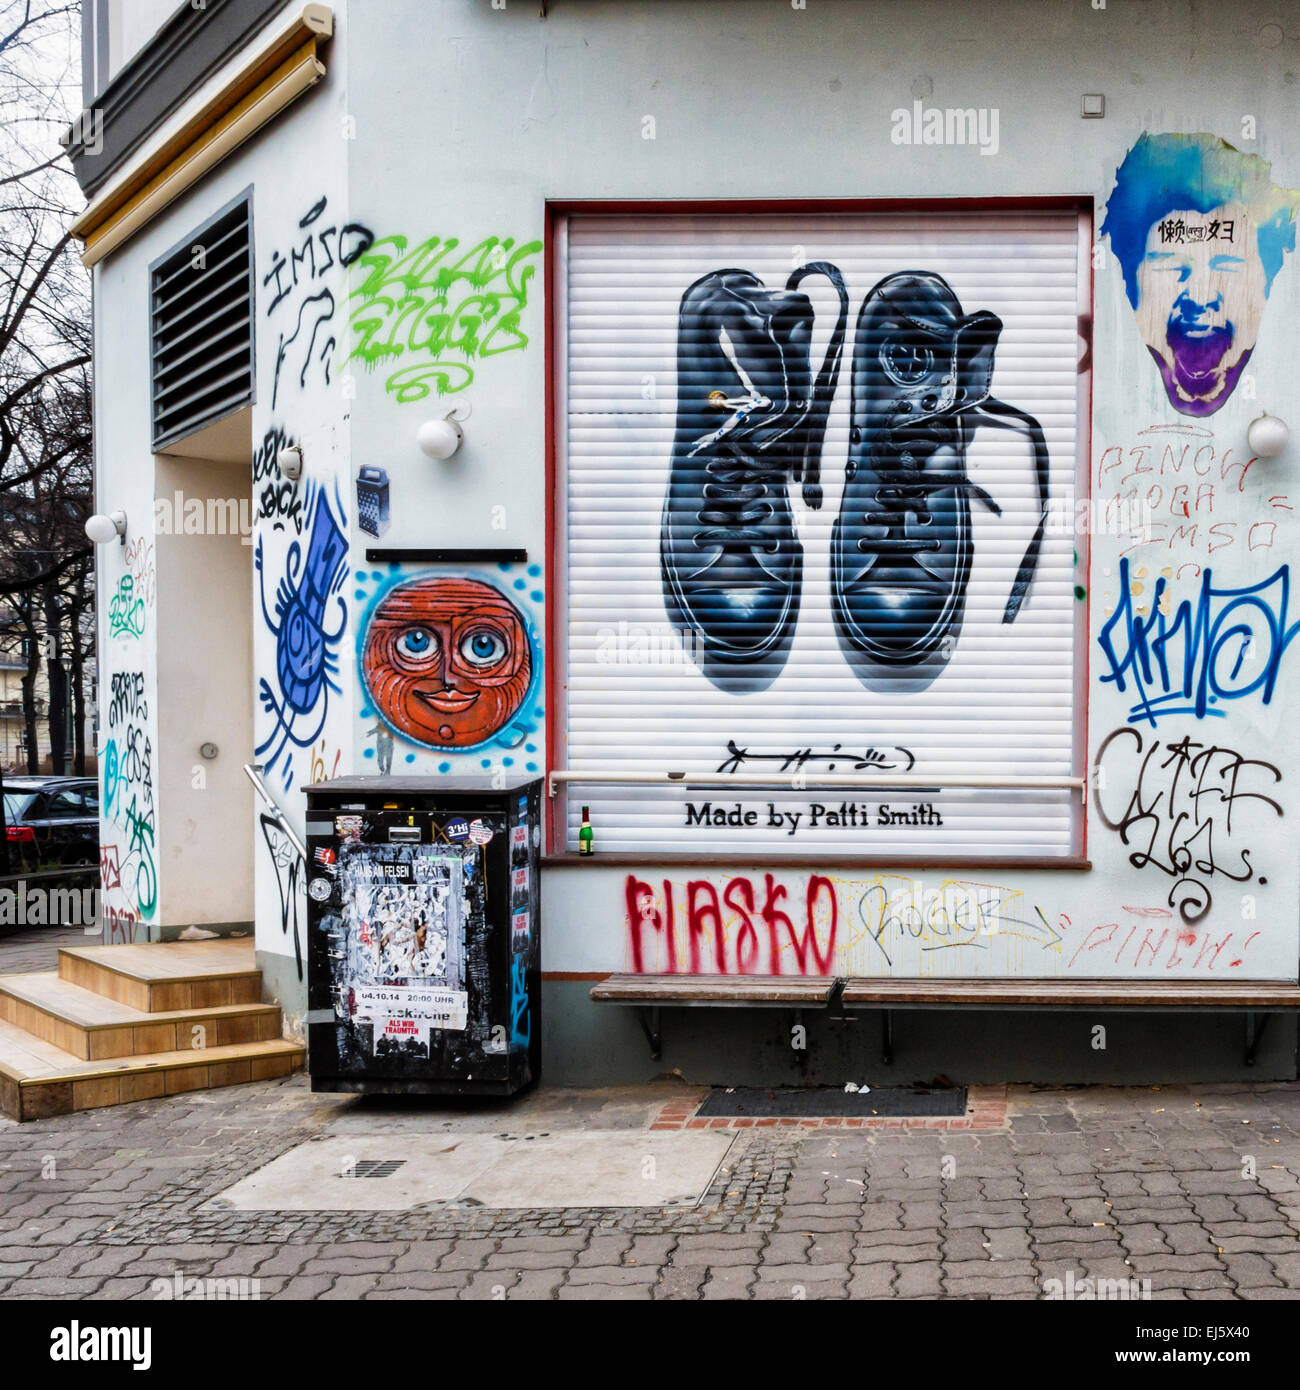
(835, 1009)
(887, 1036)
(650, 1026)
(1255, 1026)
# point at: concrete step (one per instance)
(166, 977)
(92, 1027)
(38, 1079)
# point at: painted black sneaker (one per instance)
(901, 545)
(750, 419)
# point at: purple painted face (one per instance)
(1201, 291)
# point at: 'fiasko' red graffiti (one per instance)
(739, 932)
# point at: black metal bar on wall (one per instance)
(448, 557)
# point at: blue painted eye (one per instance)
(482, 647)
(417, 643)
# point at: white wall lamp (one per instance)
(1267, 436)
(439, 439)
(107, 526)
(289, 461)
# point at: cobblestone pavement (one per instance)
(1194, 1188)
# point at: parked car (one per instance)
(51, 823)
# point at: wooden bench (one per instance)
(654, 992)
(1257, 1000)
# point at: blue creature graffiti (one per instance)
(1226, 644)
(306, 649)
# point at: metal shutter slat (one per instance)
(237, 235)
(236, 285)
(210, 365)
(245, 322)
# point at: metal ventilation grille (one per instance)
(201, 319)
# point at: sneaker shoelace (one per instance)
(737, 488)
(917, 484)
(912, 494)
(738, 482)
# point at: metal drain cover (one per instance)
(374, 1168)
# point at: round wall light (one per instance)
(1267, 436)
(107, 526)
(289, 461)
(439, 439)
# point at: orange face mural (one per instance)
(446, 661)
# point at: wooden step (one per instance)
(38, 1079)
(93, 1027)
(166, 977)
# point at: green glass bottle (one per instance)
(586, 837)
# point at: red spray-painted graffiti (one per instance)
(765, 939)
(122, 928)
(889, 924)
(1176, 494)
(1152, 940)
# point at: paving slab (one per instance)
(610, 1169)
(387, 1172)
(321, 1176)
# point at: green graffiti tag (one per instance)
(125, 610)
(435, 309)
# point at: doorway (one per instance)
(204, 562)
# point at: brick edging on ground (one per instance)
(986, 1108)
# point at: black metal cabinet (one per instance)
(424, 947)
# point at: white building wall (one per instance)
(296, 170)
(763, 101)
(462, 120)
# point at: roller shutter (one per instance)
(774, 637)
